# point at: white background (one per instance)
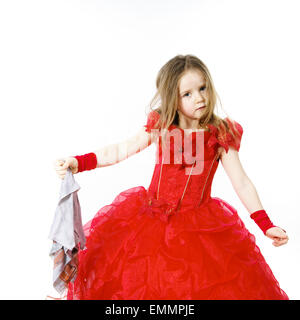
(78, 75)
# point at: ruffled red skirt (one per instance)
(205, 253)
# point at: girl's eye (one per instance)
(202, 88)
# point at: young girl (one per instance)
(173, 240)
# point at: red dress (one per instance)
(173, 240)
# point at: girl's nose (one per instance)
(199, 98)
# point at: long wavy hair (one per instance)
(166, 98)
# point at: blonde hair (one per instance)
(167, 95)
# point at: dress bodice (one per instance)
(184, 171)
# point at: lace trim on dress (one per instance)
(222, 138)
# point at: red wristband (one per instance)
(262, 220)
(86, 162)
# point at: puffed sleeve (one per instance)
(229, 140)
(152, 119)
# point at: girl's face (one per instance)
(193, 95)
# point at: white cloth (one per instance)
(67, 234)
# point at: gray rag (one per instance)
(67, 234)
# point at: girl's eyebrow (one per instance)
(203, 84)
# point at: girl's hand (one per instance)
(278, 235)
(61, 166)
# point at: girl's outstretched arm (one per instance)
(114, 153)
(241, 183)
(246, 191)
(107, 155)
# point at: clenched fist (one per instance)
(61, 166)
(278, 235)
